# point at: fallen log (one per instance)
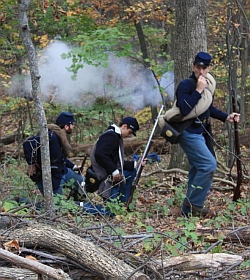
(9, 273)
(6, 140)
(102, 263)
(200, 262)
(131, 147)
(33, 266)
(239, 235)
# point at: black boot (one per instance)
(195, 210)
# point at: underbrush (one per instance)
(154, 227)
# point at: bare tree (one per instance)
(23, 6)
(145, 57)
(190, 38)
(244, 25)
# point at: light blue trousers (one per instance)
(202, 168)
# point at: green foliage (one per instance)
(171, 249)
(66, 206)
(10, 43)
(243, 206)
(148, 245)
(11, 104)
(189, 235)
(96, 48)
(70, 183)
(87, 129)
(14, 176)
(217, 249)
(116, 206)
(245, 264)
(179, 194)
(149, 229)
(161, 210)
(9, 205)
(68, 20)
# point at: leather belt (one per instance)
(199, 122)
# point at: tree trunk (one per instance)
(23, 6)
(150, 74)
(75, 248)
(190, 35)
(190, 38)
(244, 62)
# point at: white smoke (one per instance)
(167, 83)
(122, 80)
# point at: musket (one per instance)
(143, 157)
(237, 151)
(83, 163)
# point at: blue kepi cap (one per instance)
(131, 123)
(65, 118)
(203, 59)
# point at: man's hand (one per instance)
(117, 177)
(233, 117)
(139, 161)
(77, 167)
(201, 84)
(31, 170)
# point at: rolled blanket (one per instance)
(174, 114)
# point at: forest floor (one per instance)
(156, 216)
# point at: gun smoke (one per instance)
(126, 82)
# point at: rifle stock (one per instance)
(237, 151)
(144, 156)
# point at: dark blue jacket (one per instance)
(59, 161)
(187, 97)
(107, 152)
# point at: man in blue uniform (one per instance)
(62, 169)
(200, 155)
(107, 159)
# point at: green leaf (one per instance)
(149, 229)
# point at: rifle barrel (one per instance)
(149, 143)
(139, 169)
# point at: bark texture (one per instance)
(75, 248)
(190, 38)
(23, 6)
(201, 261)
(9, 273)
(33, 266)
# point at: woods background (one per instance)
(102, 61)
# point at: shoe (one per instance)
(195, 210)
